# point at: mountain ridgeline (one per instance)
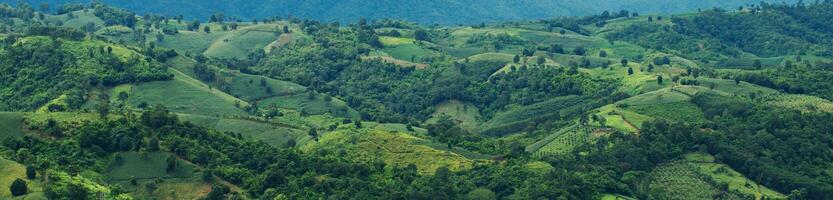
(424, 12)
(108, 101)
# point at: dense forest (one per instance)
(426, 12)
(103, 102)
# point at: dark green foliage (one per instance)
(115, 16)
(18, 187)
(31, 173)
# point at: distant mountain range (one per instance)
(421, 11)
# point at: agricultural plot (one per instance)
(736, 181)
(803, 103)
(683, 111)
(78, 20)
(567, 142)
(680, 180)
(729, 87)
(620, 119)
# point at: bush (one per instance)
(18, 187)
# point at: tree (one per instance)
(659, 80)
(541, 60)
(603, 53)
(757, 64)
(207, 29)
(624, 62)
(207, 176)
(421, 35)
(18, 187)
(31, 173)
(580, 51)
(357, 123)
(630, 70)
(218, 192)
(103, 109)
(123, 96)
(650, 67)
(313, 133)
(557, 48)
(516, 59)
(171, 164)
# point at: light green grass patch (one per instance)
(314, 105)
(151, 165)
(186, 95)
(408, 51)
(656, 97)
(682, 111)
(10, 171)
(11, 124)
(393, 148)
(395, 41)
(465, 114)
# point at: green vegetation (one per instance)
(97, 102)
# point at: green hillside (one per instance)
(101, 102)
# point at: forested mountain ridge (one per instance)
(425, 12)
(99, 102)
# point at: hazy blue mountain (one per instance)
(422, 11)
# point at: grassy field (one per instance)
(656, 97)
(258, 131)
(134, 165)
(64, 119)
(393, 148)
(239, 43)
(182, 183)
(184, 94)
(9, 171)
(466, 114)
(408, 51)
(312, 106)
(11, 124)
(683, 111)
(395, 41)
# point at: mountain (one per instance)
(424, 11)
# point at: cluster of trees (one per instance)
(114, 16)
(769, 30)
(44, 68)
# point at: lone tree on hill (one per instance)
(630, 70)
(18, 187)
